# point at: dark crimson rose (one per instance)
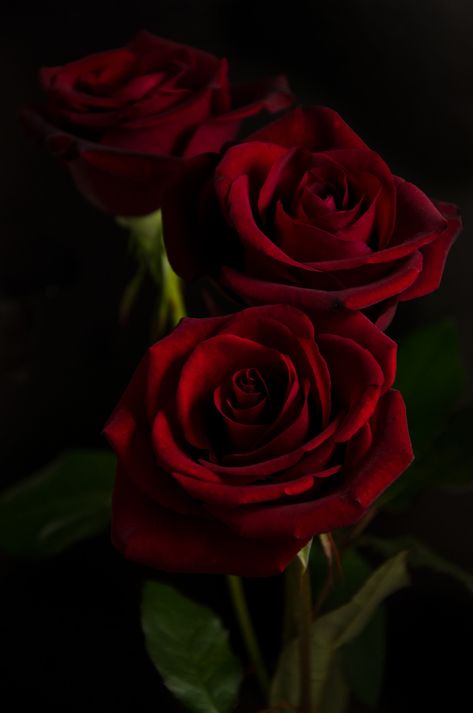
(303, 212)
(123, 120)
(240, 437)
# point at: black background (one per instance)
(401, 73)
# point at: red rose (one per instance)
(241, 437)
(122, 120)
(303, 212)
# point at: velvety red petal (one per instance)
(164, 540)
(299, 520)
(115, 181)
(315, 128)
(251, 322)
(287, 434)
(308, 243)
(275, 465)
(234, 495)
(271, 95)
(390, 454)
(434, 256)
(264, 291)
(157, 130)
(165, 359)
(360, 329)
(277, 326)
(416, 215)
(131, 443)
(357, 388)
(251, 162)
(171, 455)
(154, 51)
(210, 362)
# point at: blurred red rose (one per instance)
(241, 437)
(303, 212)
(122, 120)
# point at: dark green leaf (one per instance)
(449, 462)
(189, 646)
(66, 502)
(431, 377)
(419, 555)
(363, 658)
(355, 570)
(334, 630)
(336, 691)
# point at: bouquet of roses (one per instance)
(264, 436)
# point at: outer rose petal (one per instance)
(116, 181)
(271, 95)
(360, 329)
(315, 128)
(264, 291)
(162, 539)
(390, 455)
(434, 257)
(356, 389)
(164, 361)
(133, 448)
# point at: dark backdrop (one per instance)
(401, 73)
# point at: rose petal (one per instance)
(357, 388)
(434, 256)
(210, 362)
(158, 538)
(390, 455)
(315, 128)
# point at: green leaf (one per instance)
(419, 555)
(189, 646)
(449, 462)
(66, 502)
(336, 692)
(431, 378)
(362, 659)
(334, 630)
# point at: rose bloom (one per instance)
(123, 120)
(303, 212)
(241, 437)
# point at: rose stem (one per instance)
(248, 633)
(289, 630)
(305, 625)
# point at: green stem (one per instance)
(146, 239)
(305, 626)
(248, 633)
(290, 626)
